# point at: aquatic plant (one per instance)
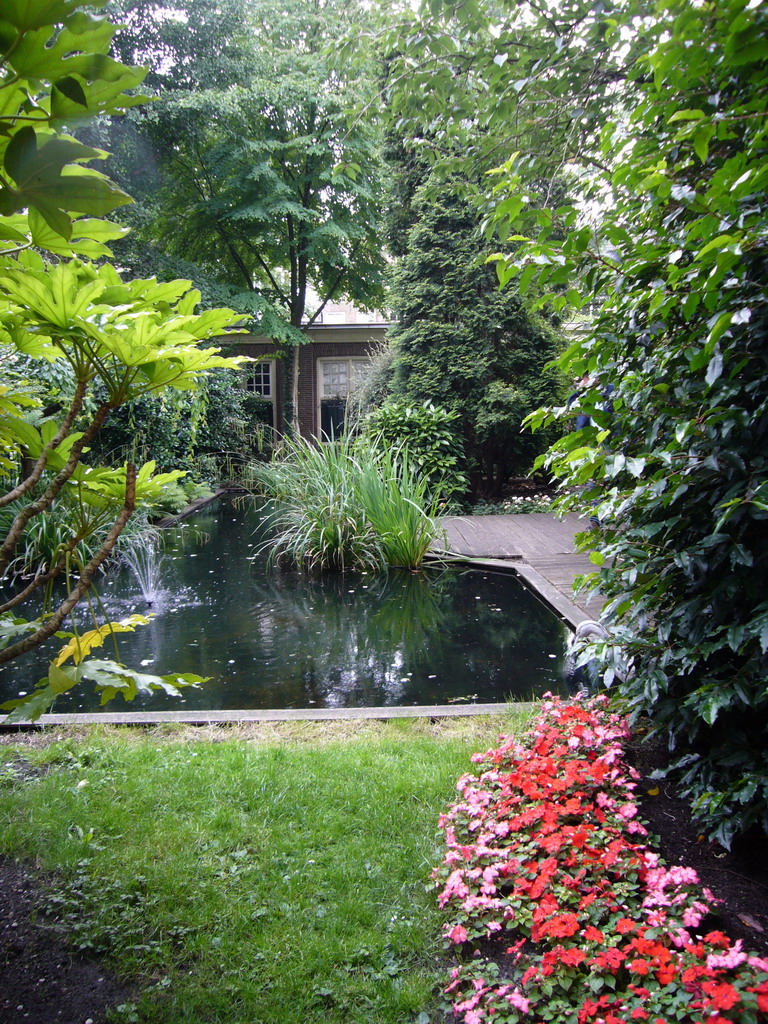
(346, 504)
(395, 497)
(317, 521)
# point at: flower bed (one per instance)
(561, 910)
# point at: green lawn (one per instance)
(252, 880)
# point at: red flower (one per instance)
(666, 974)
(722, 995)
(571, 957)
(624, 925)
(560, 926)
(592, 934)
(611, 958)
(762, 997)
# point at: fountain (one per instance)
(145, 562)
(278, 638)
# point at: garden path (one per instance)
(537, 546)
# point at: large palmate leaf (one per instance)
(109, 677)
(105, 487)
(81, 645)
(138, 336)
(55, 71)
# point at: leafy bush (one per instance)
(678, 268)
(179, 430)
(546, 857)
(346, 505)
(513, 506)
(428, 433)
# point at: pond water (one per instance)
(277, 638)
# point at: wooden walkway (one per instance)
(538, 547)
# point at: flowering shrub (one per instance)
(547, 858)
(515, 505)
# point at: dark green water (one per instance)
(272, 638)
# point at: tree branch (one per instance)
(283, 297)
(332, 290)
(54, 488)
(42, 578)
(37, 471)
(53, 624)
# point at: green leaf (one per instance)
(687, 115)
(62, 679)
(29, 709)
(720, 242)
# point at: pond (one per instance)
(278, 638)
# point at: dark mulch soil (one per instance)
(43, 982)
(739, 877)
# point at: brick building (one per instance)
(337, 353)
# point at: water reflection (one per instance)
(278, 638)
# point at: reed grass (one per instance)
(346, 504)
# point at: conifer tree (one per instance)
(463, 344)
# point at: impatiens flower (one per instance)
(457, 934)
(518, 1000)
(545, 848)
(762, 996)
(732, 958)
(722, 995)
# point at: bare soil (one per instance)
(41, 980)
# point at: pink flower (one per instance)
(732, 958)
(516, 999)
(473, 1017)
(458, 933)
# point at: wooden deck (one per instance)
(537, 547)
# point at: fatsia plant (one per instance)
(117, 339)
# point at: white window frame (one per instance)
(321, 362)
(250, 379)
(249, 384)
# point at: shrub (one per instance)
(428, 433)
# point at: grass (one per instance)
(260, 879)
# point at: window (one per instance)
(259, 379)
(336, 377)
(260, 383)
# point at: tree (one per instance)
(464, 345)
(270, 188)
(129, 338)
(676, 262)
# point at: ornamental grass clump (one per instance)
(396, 499)
(546, 858)
(317, 520)
(346, 504)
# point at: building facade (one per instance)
(338, 352)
